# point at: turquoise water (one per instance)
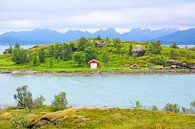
(111, 90)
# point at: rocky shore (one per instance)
(102, 72)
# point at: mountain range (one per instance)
(45, 36)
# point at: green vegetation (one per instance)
(43, 116)
(114, 56)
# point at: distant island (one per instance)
(46, 36)
(112, 56)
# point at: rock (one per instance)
(5, 71)
(185, 65)
(191, 66)
(24, 72)
(173, 66)
(138, 50)
(135, 66)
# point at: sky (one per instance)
(90, 15)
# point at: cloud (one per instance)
(93, 14)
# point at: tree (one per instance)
(90, 53)
(173, 54)
(19, 55)
(154, 48)
(174, 45)
(51, 62)
(98, 37)
(66, 51)
(82, 44)
(60, 102)
(172, 107)
(41, 54)
(79, 57)
(117, 44)
(130, 50)
(105, 58)
(51, 51)
(192, 104)
(38, 102)
(23, 97)
(8, 50)
(35, 60)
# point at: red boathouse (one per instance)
(93, 64)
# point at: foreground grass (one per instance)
(99, 118)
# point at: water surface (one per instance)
(117, 90)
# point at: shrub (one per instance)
(172, 107)
(19, 122)
(154, 48)
(173, 54)
(38, 102)
(59, 102)
(174, 45)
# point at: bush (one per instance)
(172, 107)
(19, 122)
(174, 45)
(173, 54)
(38, 102)
(154, 48)
(59, 102)
(24, 97)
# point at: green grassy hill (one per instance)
(96, 118)
(116, 55)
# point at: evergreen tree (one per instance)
(41, 54)
(82, 44)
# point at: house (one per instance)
(93, 64)
(101, 45)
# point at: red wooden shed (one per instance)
(93, 64)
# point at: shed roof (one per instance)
(93, 61)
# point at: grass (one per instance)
(117, 62)
(100, 118)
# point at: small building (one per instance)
(93, 64)
(101, 45)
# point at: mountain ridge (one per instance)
(45, 36)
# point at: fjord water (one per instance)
(109, 90)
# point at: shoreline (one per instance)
(100, 72)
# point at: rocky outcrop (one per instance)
(135, 66)
(138, 50)
(176, 64)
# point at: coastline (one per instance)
(101, 72)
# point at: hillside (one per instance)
(115, 55)
(95, 118)
(45, 36)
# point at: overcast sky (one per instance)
(61, 15)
